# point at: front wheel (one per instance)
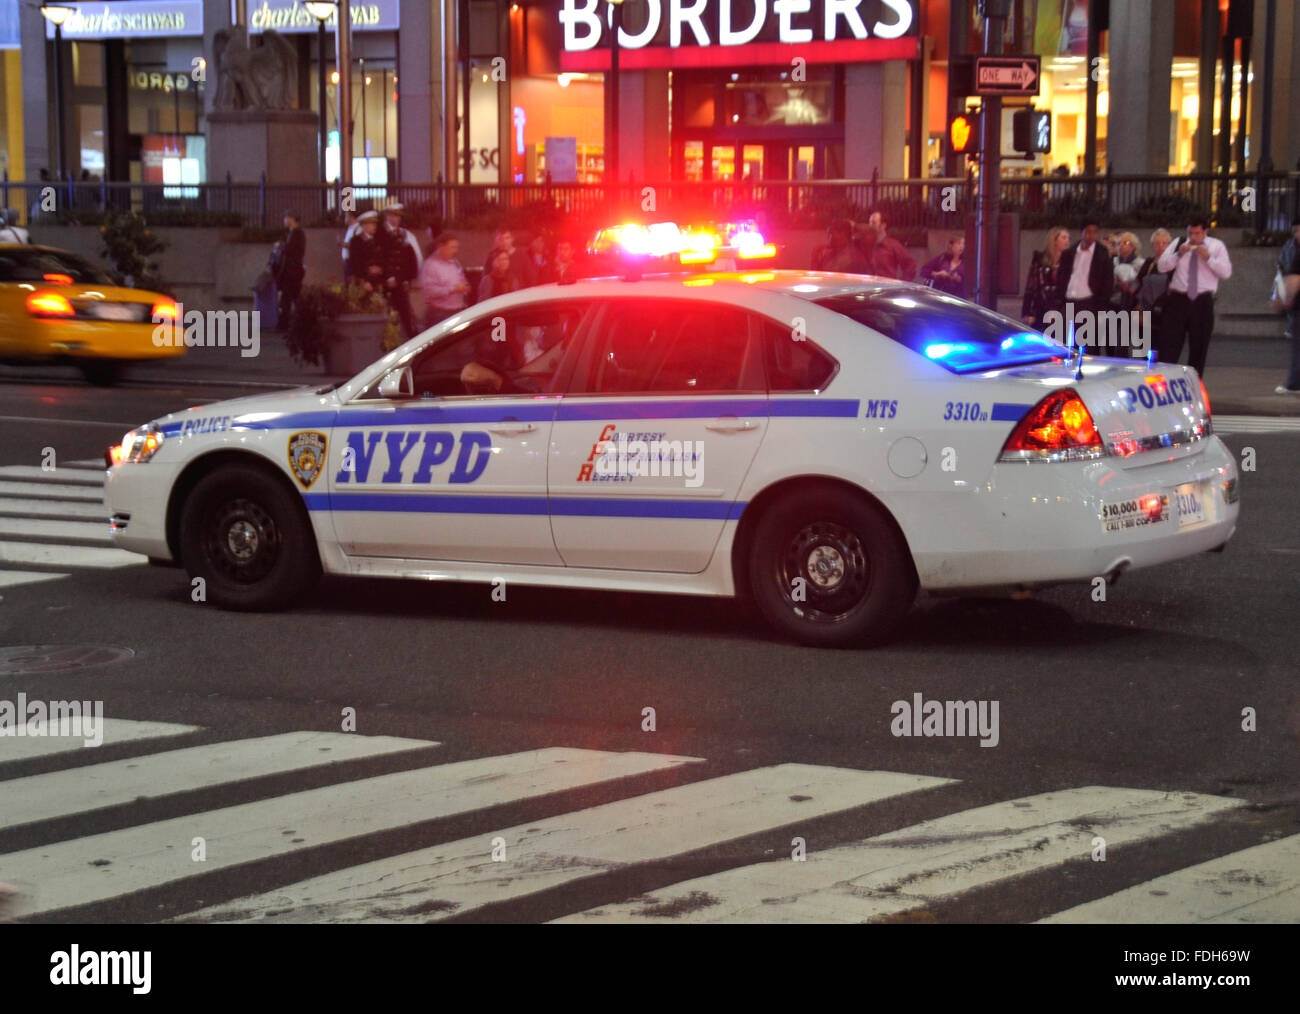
(245, 534)
(829, 570)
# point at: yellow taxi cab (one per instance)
(58, 307)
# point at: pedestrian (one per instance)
(520, 266)
(1153, 285)
(1198, 262)
(1089, 273)
(1127, 263)
(840, 253)
(563, 269)
(393, 226)
(891, 257)
(290, 269)
(498, 279)
(1288, 265)
(947, 271)
(442, 278)
(367, 252)
(401, 267)
(349, 230)
(1045, 286)
(537, 256)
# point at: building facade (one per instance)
(705, 89)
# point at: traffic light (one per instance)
(963, 134)
(1031, 130)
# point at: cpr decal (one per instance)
(307, 456)
(400, 462)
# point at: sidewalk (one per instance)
(1234, 389)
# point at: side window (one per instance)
(794, 362)
(515, 352)
(672, 348)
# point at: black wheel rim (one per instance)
(824, 573)
(241, 541)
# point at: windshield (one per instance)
(960, 336)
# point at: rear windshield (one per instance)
(36, 265)
(961, 336)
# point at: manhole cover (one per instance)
(29, 658)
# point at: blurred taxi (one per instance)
(58, 307)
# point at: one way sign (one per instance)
(1006, 75)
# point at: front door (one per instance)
(651, 443)
(458, 471)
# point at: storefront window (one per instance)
(90, 134)
(755, 99)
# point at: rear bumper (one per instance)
(1037, 524)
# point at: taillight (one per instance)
(1205, 397)
(49, 304)
(164, 309)
(1058, 428)
(57, 278)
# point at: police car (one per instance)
(825, 444)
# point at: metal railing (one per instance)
(1261, 201)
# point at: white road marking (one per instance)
(38, 474)
(46, 491)
(116, 730)
(928, 862)
(18, 578)
(58, 509)
(105, 866)
(96, 531)
(84, 789)
(91, 464)
(64, 422)
(1256, 424)
(461, 876)
(1259, 884)
(66, 556)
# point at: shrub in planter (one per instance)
(342, 327)
(128, 246)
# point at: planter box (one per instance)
(352, 342)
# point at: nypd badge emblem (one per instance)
(307, 456)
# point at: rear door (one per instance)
(654, 436)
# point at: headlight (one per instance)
(140, 445)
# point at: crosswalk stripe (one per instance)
(925, 863)
(1256, 424)
(55, 509)
(105, 866)
(116, 730)
(1259, 884)
(18, 578)
(53, 491)
(83, 531)
(84, 789)
(38, 474)
(66, 556)
(89, 464)
(461, 876)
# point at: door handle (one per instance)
(508, 429)
(730, 424)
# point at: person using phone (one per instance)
(1198, 262)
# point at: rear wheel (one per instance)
(248, 537)
(829, 569)
(101, 372)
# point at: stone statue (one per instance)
(254, 77)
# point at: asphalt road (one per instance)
(1140, 695)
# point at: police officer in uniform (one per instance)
(367, 252)
(402, 267)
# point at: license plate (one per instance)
(115, 311)
(1190, 498)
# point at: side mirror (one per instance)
(397, 384)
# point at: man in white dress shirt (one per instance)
(1198, 262)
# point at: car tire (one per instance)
(101, 372)
(246, 534)
(858, 582)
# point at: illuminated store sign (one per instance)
(681, 33)
(131, 20)
(366, 15)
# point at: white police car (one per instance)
(828, 443)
